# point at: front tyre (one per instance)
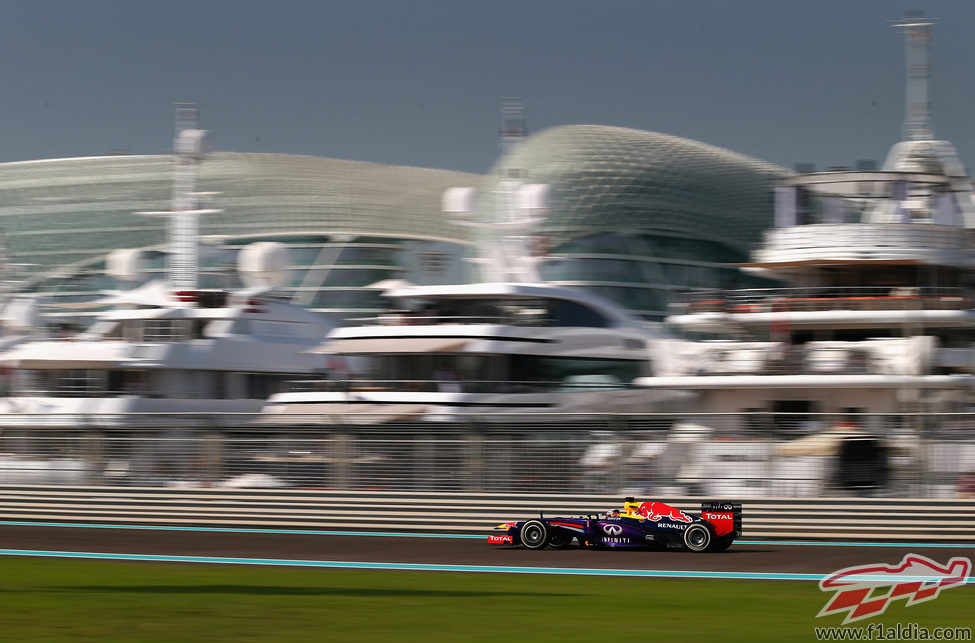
(534, 534)
(697, 537)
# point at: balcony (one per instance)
(853, 242)
(911, 356)
(770, 300)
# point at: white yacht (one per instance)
(508, 346)
(874, 329)
(877, 313)
(877, 320)
(484, 348)
(202, 352)
(169, 347)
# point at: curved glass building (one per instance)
(347, 224)
(638, 215)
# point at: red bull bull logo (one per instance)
(658, 510)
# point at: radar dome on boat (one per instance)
(191, 143)
(125, 264)
(535, 196)
(459, 201)
(21, 314)
(263, 264)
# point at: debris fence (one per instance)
(752, 455)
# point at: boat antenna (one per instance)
(513, 126)
(507, 249)
(917, 37)
(185, 212)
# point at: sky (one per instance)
(420, 82)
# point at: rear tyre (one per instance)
(559, 539)
(721, 544)
(697, 537)
(534, 534)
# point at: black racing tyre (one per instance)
(721, 544)
(534, 534)
(559, 539)
(697, 537)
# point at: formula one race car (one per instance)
(637, 524)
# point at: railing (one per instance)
(752, 455)
(812, 299)
(786, 359)
(457, 513)
(856, 241)
(406, 318)
(454, 386)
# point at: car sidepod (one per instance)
(621, 533)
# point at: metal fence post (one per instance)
(342, 452)
(928, 476)
(342, 477)
(213, 448)
(619, 476)
(423, 462)
(93, 457)
(474, 459)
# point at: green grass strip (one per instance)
(81, 600)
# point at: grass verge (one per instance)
(59, 600)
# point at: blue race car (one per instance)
(637, 525)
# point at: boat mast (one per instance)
(507, 249)
(184, 222)
(917, 38)
(185, 211)
(513, 127)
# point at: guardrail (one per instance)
(888, 519)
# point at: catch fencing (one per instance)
(754, 455)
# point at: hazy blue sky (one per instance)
(419, 82)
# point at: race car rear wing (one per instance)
(725, 516)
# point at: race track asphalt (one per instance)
(741, 557)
